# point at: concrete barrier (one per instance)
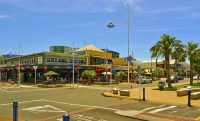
(124, 93)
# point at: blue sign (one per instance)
(74, 61)
(128, 58)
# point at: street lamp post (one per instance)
(19, 68)
(111, 25)
(73, 66)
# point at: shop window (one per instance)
(56, 60)
(52, 59)
(63, 60)
(48, 60)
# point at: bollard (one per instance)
(189, 96)
(15, 106)
(143, 94)
(66, 117)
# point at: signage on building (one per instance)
(39, 60)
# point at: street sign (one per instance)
(74, 61)
(35, 67)
(128, 58)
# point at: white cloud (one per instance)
(3, 16)
(69, 5)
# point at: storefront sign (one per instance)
(39, 60)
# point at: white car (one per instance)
(195, 77)
(143, 79)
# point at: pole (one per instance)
(143, 94)
(0, 68)
(19, 67)
(189, 96)
(86, 57)
(106, 66)
(15, 113)
(128, 39)
(73, 66)
(111, 78)
(35, 77)
(66, 117)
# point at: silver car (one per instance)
(195, 77)
(173, 79)
(143, 79)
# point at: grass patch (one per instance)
(174, 88)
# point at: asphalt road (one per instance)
(85, 103)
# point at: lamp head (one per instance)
(111, 25)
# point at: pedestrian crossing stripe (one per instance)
(161, 109)
(198, 119)
(44, 108)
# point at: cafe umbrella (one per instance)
(49, 73)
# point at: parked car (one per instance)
(195, 77)
(173, 79)
(143, 79)
(180, 78)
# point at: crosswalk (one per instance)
(20, 88)
(98, 87)
(79, 117)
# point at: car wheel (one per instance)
(137, 82)
(177, 81)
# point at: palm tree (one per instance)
(158, 72)
(179, 55)
(197, 64)
(119, 75)
(192, 51)
(89, 74)
(164, 48)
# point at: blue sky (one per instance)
(39, 24)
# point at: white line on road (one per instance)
(161, 109)
(22, 102)
(82, 105)
(22, 90)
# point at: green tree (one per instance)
(164, 48)
(158, 72)
(119, 75)
(192, 51)
(89, 75)
(197, 64)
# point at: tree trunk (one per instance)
(167, 70)
(191, 70)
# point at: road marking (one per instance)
(173, 111)
(198, 118)
(99, 88)
(82, 105)
(151, 108)
(22, 90)
(22, 102)
(161, 109)
(42, 109)
(79, 117)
